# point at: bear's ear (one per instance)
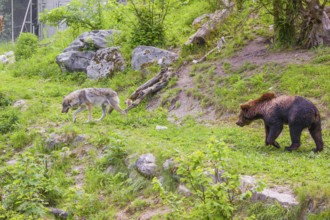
(268, 96)
(244, 107)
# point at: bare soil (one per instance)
(256, 52)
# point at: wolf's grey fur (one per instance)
(88, 97)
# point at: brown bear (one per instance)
(296, 111)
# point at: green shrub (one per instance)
(149, 30)
(27, 187)
(4, 100)
(215, 193)
(26, 45)
(8, 120)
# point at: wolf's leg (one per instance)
(82, 108)
(110, 110)
(104, 110)
(114, 103)
(90, 116)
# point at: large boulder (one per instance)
(143, 56)
(78, 55)
(146, 165)
(105, 63)
(75, 61)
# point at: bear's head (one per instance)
(244, 116)
(250, 110)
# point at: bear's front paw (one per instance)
(289, 149)
(316, 150)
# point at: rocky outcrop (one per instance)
(105, 63)
(143, 56)
(79, 54)
(283, 195)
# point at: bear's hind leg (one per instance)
(316, 133)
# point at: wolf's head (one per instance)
(66, 104)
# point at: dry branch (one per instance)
(219, 46)
(151, 86)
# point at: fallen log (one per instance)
(204, 33)
(150, 87)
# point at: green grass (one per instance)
(304, 171)
(108, 143)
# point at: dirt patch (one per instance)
(256, 52)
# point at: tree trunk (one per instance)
(315, 25)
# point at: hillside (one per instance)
(87, 170)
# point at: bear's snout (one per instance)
(239, 123)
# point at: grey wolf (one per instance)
(295, 111)
(89, 97)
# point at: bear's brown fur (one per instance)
(295, 111)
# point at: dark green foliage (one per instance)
(77, 14)
(215, 193)
(27, 188)
(26, 45)
(8, 120)
(4, 101)
(149, 29)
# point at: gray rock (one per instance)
(78, 139)
(169, 164)
(111, 170)
(59, 213)
(183, 190)
(105, 63)
(20, 104)
(91, 41)
(160, 127)
(145, 164)
(283, 195)
(75, 61)
(78, 55)
(145, 55)
(7, 57)
(11, 162)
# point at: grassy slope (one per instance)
(306, 172)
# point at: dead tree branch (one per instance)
(150, 87)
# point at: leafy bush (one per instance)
(8, 120)
(4, 100)
(76, 14)
(150, 29)
(27, 187)
(26, 45)
(215, 192)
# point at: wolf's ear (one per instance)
(244, 107)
